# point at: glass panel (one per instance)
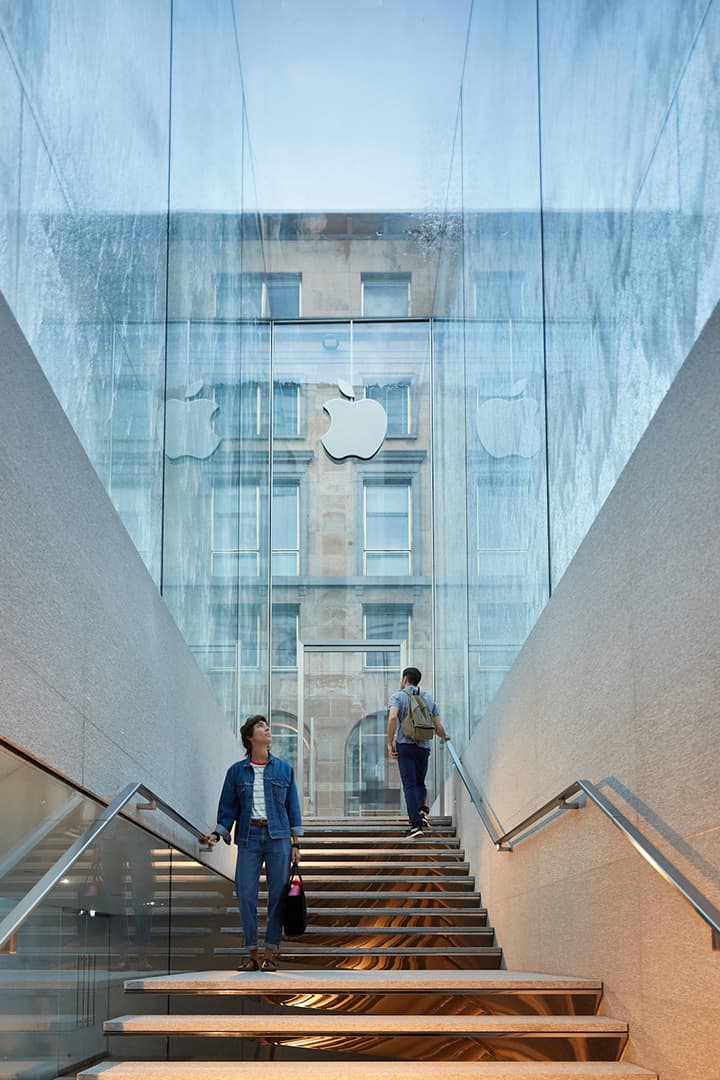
(349, 771)
(126, 908)
(217, 468)
(338, 578)
(632, 249)
(83, 227)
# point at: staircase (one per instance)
(398, 976)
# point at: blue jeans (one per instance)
(261, 848)
(413, 764)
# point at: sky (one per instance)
(351, 105)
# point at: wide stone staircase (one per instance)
(398, 976)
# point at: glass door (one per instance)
(343, 692)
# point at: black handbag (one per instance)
(295, 906)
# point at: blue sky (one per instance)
(351, 105)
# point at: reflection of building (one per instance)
(521, 344)
(440, 540)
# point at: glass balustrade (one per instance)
(131, 905)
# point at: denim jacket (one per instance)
(281, 801)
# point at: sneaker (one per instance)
(415, 832)
(425, 817)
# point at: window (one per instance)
(285, 634)
(134, 504)
(286, 528)
(257, 296)
(500, 294)
(386, 295)
(283, 295)
(386, 528)
(395, 399)
(235, 637)
(239, 414)
(386, 622)
(286, 410)
(235, 540)
(502, 530)
(503, 625)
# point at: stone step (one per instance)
(389, 843)
(289, 1025)
(293, 1025)
(432, 899)
(373, 833)
(348, 868)
(358, 956)
(364, 1070)
(374, 854)
(514, 1038)
(367, 982)
(450, 990)
(389, 917)
(433, 936)
(408, 881)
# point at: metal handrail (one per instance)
(707, 911)
(32, 899)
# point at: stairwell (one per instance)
(398, 976)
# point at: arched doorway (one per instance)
(372, 780)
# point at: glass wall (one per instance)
(587, 170)
(82, 233)
(571, 267)
(489, 436)
(630, 155)
(217, 449)
(128, 907)
(351, 535)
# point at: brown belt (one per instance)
(258, 821)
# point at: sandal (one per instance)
(250, 964)
(268, 964)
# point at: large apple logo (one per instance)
(189, 431)
(509, 425)
(357, 428)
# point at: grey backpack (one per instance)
(417, 723)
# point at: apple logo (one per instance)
(189, 431)
(509, 425)
(357, 428)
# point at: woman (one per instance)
(260, 797)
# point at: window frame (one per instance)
(298, 432)
(236, 551)
(287, 482)
(377, 608)
(387, 482)
(293, 610)
(406, 384)
(244, 278)
(372, 277)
